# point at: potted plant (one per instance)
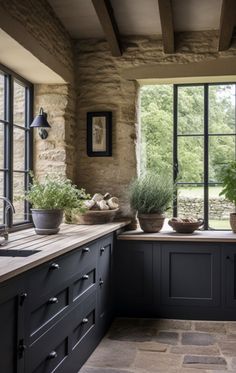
(50, 198)
(151, 195)
(228, 176)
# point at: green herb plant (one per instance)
(56, 192)
(228, 177)
(151, 193)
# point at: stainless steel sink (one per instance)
(17, 253)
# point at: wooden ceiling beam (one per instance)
(166, 16)
(227, 23)
(107, 20)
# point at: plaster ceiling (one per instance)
(137, 17)
(17, 58)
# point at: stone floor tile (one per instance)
(167, 324)
(170, 338)
(103, 370)
(152, 346)
(193, 370)
(198, 339)
(231, 327)
(205, 362)
(135, 334)
(228, 348)
(210, 326)
(157, 362)
(195, 350)
(112, 355)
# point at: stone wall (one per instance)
(39, 21)
(101, 87)
(58, 152)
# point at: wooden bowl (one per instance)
(185, 227)
(95, 217)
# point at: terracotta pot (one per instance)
(151, 223)
(232, 220)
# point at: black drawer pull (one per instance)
(101, 282)
(86, 250)
(52, 355)
(85, 277)
(21, 348)
(85, 321)
(102, 249)
(53, 300)
(54, 266)
(23, 297)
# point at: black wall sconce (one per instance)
(40, 121)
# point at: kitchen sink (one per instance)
(17, 253)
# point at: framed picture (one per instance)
(99, 134)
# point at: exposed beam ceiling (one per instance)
(106, 17)
(227, 23)
(166, 17)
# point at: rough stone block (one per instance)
(167, 337)
(198, 339)
(205, 362)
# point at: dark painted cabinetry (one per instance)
(12, 343)
(134, 273)
(177, 280)
(53, 317)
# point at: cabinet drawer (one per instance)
(86, 281)
(48, 310)
(61, 269)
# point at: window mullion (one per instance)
(9, 143)
(206, 165)
(175, 147)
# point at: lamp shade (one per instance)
(40, 120)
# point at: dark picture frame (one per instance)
(99, 134)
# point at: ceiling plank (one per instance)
(107, 20)
(227, 23)
(167, 27)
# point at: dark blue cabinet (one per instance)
(229, 275)
(134, 279)
(12, 336)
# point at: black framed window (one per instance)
(189, 131)
(16, 102)
(204, 140)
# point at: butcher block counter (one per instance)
(47, 247)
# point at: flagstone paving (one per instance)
(165, 346)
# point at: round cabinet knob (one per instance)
(85, 321)
(85, 277)
(52, 355)
(53, 300)
(102, 249)
(101, 282)
(54, 266)
(86, 250)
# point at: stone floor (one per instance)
(165, 346)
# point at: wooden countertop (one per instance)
(70, 237)
(170, 235)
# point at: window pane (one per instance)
(190, 159)
(2, 150)
(221, 151)
(156, 143)
(18, 149)
(1, 194)
(19, 104)
(191, 110)
(2, 116)
(222, 109)
(219, 209)
(190, 201)
(18, 190)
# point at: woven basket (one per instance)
(94, 217)
(185, 227)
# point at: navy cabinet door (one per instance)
(105, 282)
(12, 343)
(229, 275)
(134, 279)
(190, 274)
